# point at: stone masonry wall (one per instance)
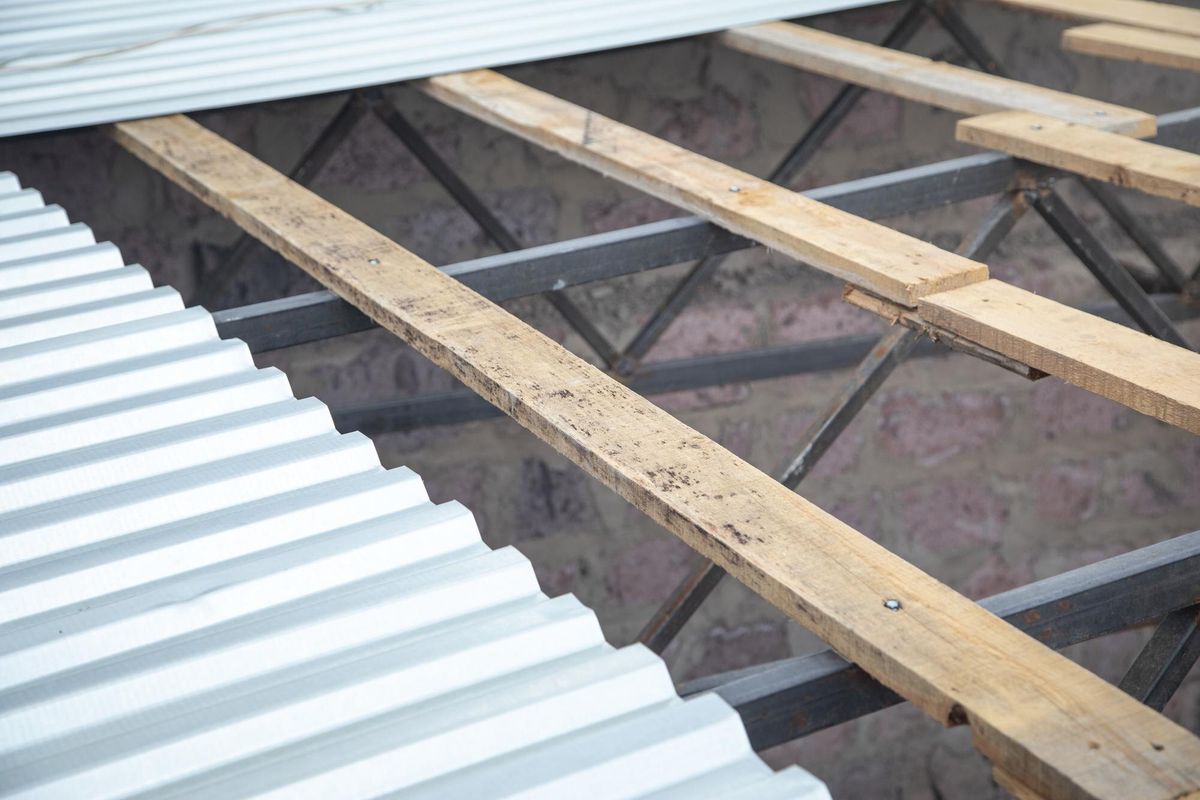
(983, 479)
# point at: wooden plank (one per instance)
(882, 260)
(1152, 168)
(1135, 44)
(1116, 362)
(1018, 790)
(1138, 13)
(1037, 715)
(592, 140)
(913, 77)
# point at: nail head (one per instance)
(735, 189)
(372, 260)
(892, 604)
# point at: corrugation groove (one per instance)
(206, 591)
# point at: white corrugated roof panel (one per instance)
(67, 63)
(206, 591)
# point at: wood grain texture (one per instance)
(1039, 716)
(1148, 167)
(1113, 361)
(1135, 44)
(1018, 790)
(880, 259)
(913, 77)
(1139, 13)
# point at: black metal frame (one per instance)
(783, 700)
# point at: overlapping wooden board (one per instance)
(914, 77)
(1135, 44)
(1151, 168)
(622, 152)
(888, 263)
(1061, 730)
(1139, 13)
(1113, 361)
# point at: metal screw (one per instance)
(1100, 113)
(735, 189)
(1036, 126)
(372, 260)
(891, 605)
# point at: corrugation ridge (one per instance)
(210, 590)
(418, 43)
(67, 391)
(173, 497)
(217, 719)
(204, 540)
(58, 240)
(42, 218)
(140, 414)
(418, 742)
(65, 292)
(20, 200)
(113, 464)
(32, 270)
(90, 315)
(262, 578)
(224, 677)
(123, 342)
(637, 753)
(387, 597)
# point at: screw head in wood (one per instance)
(892, 604)
(735, 189)
(1036, 126)
(372, 260)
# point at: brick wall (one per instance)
(983, 479)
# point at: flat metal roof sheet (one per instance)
(67, 63)
(207, 591)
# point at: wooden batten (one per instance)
(880, 259)
(621, 152)
(1136, 370)
(1151, 168)
(966, 91)
(1051, 724)
(1135, 44)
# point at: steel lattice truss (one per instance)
(783, 700)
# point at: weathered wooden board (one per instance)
(1135, 44)
(913, 77)
(880, 259)
(1151, 168)
(1113, 361)
(1060, 729)
(540, 118)
(1139, 13)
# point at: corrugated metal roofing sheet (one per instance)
(66, 63)
(206, 591)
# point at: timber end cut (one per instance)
(1147, 374)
